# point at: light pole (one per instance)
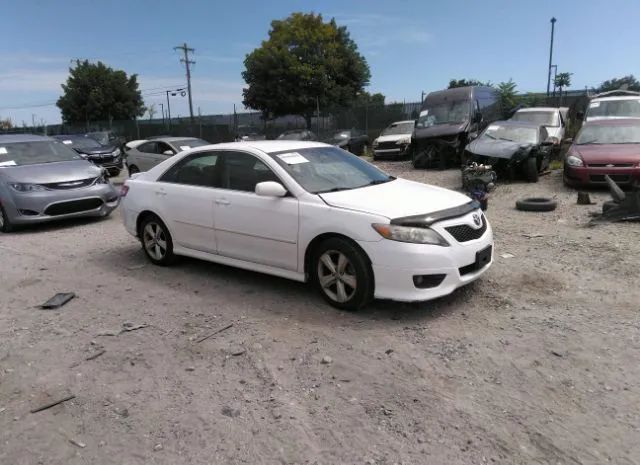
(162, 110)
(553, 24)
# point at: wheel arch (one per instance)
(145, 214)
(319, 239)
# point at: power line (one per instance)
(32, 105)
(185, 49)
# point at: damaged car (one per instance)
(351, 140)
(448, 121)
(108, 157)
(394, 141)
(513, 147)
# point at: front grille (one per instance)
(465, 233)
(614, 177)
(610, 165)
(78, 184)
(73, 206)
(390, 145)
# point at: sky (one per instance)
(411, 46)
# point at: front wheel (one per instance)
(156, 241)
(5, 223)
(343, 274)
(531, 169)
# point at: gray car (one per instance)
(152, 152)
(41, 179)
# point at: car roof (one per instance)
(615, 97)
(523, 110)
(520, 124)
(15, 138)
(267, 146)
(613, 122)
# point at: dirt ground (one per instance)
(536, 363)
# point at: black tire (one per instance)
(531, 169)
(358, 267)
(132, 169)
(5, 224)
(536, 204)
(153, 246)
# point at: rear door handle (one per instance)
(222, 202)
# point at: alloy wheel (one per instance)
(155, 240)
(337, 276)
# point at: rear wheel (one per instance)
(156, 241)
(342, 274)
(531, 169)
(5, 223)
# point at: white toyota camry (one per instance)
(310, 212)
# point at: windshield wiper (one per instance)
(334, 189)
(489, 136)
(504, 138)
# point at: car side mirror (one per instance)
(270, 189)
(477, 118)
(168, 152)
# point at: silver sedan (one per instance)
(41, 179)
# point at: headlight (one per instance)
(20, 187)
(404, 140)
(375, 143)
(573, 160)
(116, 152)
(408, 234)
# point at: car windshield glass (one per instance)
(329, 169)
(102, 137)
(542, 118)
(512, 133)
(627, 108)
(80, 142)
(33, 153)
(456, 111)
(609, 134)
(400, 128)
(186, 144)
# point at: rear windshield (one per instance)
(33, 153)
(542, 118)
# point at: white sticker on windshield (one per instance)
(3, 151)
(594, 104)
(493, 127)
(292, 158)
(67, 142)
(7, 163)
(424, 113)
(184, 147)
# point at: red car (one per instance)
(604, 147)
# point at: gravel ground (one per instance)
(536, 363)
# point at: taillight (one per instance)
(124, 190)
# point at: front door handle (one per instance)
(222, 202)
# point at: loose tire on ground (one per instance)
(342, 274)
(536, 204)
(156, 241)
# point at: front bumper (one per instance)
(391, 150)
(111, 164)
(38, 207)
(396, 263)
(594, 176)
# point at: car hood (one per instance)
(396, 199)
(608, 153)
(96, 150)
(493, 148)
(440, 130)
(393, 137)
(46, 173)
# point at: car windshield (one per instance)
(329, 169)
(511, 133)
(542, 118)
(456, 111)
(609, 134)
(33, 153)
(186, 144)
(80, 142)
(398, 128)
(621, 108)
(102, 137)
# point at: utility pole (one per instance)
(553, 24)
(187, 64)
(169, 109)
(162, 110)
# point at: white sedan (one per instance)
(310, 212)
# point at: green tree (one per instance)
(304, 63)
(508, 97)
(151, 110)
(562, 81)
(96, 92)
(453, 83)
(371, 100)
(626, 82)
